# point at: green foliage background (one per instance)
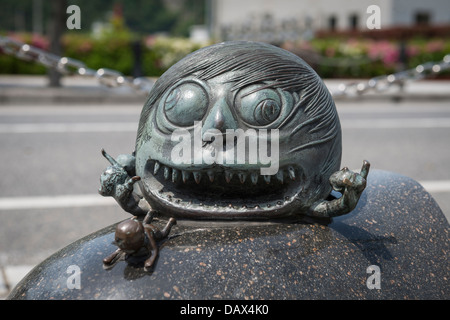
(140, 16)
(142, 20)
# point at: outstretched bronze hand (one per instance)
(351, 185)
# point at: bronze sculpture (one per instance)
(238, 130)
(136, 238)
(117, 181)
(342, 257)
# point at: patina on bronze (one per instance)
(247, 97)
(138, 239)
(118, 181)
(235, 86)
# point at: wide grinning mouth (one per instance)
(221, 191)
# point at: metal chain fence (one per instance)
(70, 66)
(384, 82)
(113, 78)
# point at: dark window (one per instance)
(353, 20)
(422, 18)
(332, 23)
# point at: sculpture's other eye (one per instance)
(260, 108)
(266, 111)
(185, 104)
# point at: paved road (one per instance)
(410, 138)
(51, 163)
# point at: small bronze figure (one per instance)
(136, 238)
(117, 181)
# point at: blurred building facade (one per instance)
(281, 20)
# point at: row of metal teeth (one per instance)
(175, 175)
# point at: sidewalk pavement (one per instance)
(10, 276)
(76, 89)
(28, 90)
(421, 90)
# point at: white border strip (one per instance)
(68, 127)
(65, 201)
(436, 186)
(402, 123)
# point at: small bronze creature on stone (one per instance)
(135, 239)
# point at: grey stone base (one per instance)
(394, 245)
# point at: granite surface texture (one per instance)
(396, 227)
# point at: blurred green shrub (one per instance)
(113, 50)
(331, 57)
(363, 58)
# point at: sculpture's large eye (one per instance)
(266, 111)
(261, 107)
(186, 104)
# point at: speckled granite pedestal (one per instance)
(396, 227)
